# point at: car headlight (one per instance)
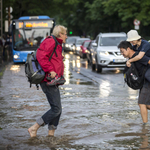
(78, 48)
(86, 51)
(67, 45)
(16, 56)
(104, 53)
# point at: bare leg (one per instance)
(144, 113)
(51, 132)
(33, 130)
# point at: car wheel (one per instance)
(88, 61)
(83, 56)
(93, 66)
(98, 68)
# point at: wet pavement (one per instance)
(99, 112)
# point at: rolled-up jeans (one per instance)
(52, 116)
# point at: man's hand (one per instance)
(53, 74)
(128, 63)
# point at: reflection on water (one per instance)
(78, 63)
(15, 68)
(68, 62)
(78, 82)
(133, 93)
(105, 89)
(84, 64)
(73, 63)
(117, 71)
(143, 138)
(66, 69)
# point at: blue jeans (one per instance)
(52, 116)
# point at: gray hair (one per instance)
(59, 29)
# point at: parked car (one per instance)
(83, 48)
(77, 44)
(69, 43)
(90, 53)
(106, 51)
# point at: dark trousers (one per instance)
(52, 116)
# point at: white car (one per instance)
(106, 52)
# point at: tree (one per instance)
(87, 17)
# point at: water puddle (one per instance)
(94, 116)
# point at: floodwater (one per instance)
(99, 112)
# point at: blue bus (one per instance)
(27, 34)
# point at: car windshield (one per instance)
(80, 42)
(86, 44)
(70, 40)
(111, 41)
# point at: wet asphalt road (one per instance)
(98, 111)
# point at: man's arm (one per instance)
(136, 58)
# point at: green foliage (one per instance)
(87, 17)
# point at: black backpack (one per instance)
(33, 70)
(132, 78)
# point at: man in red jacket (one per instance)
(53, 69)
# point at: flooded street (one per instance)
(98, 111)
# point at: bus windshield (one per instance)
(27, 37)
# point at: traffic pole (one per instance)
(8, 16)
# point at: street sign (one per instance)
(6, 25)
(136, 22)
(11, 9)
(11, 16)
(136, 27)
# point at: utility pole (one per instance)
(1, 17)
(8, 17)
(9, 10)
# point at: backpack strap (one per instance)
(56, 43)
(36, 63)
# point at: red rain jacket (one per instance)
(43, 54)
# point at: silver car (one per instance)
(69, 43)
(106, 53)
